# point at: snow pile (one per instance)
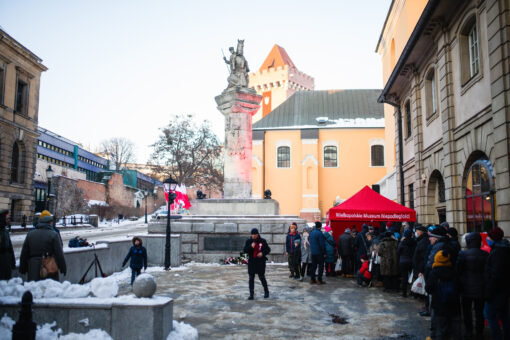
(47, 289)
(96, 202)
(104, 287)
(182, 331)
(46, 332)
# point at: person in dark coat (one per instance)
(318, 250)
(306, 255)
(470, 269)
(45, 213)
(290, 249)
(496, 280)
(439, 241)
(257, 249)
(422, 243)
(406, 252)
(360, 244)
(345, 251)
(7, 258)
(138, 255)
(41, 241)
(389, 261)
(330, 259)
(442, 286)
(453, 235)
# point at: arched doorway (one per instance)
(436, 198)
(480, 196)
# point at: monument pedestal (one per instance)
(237, 207)
(238, 104)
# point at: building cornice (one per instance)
(20, 49)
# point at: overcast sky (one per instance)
(122, 68)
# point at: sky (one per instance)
(123, 68)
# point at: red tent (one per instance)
(367, 206)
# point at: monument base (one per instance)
(241, 207)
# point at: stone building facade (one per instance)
(449, 87)
(20, 73)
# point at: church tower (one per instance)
(276, 80)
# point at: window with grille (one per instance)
(377, 153)
(283, 155)
(330, 157)
(473, 51)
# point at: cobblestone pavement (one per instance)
(214, 300)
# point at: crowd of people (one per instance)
(454, 282)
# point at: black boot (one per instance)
(251, 297)
(266, 293)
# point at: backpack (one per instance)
(447, 292)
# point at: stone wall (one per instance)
(195, 229)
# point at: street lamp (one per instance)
(170, 184)
(49, 175)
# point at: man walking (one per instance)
(345, 249)
(257, 249)
(318, 250)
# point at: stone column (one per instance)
(238, 105)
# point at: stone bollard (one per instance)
(25, 328)
(94, 220)
(144, 286)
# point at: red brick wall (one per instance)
(92, 190)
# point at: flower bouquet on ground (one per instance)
(241, 259)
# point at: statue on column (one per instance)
(238, 67)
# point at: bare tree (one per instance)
(189, 152)
(119, 151)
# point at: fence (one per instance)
(74, 220)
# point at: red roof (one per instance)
(277, 57)
(367, 205)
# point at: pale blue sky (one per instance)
(122, 68)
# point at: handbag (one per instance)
(48, 266)
(338, 266)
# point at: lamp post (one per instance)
(49, 175)
(170, 184)
(146, 195)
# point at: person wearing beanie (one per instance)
(364, 276)
(453, 234)
(345, 252)
(7, 257)
(361, 245)
(43, 240)
(439, 241)
(470, 269)
(46, 213)
(496, 281)
(441, 284)
(138, 255)
(406, 251)
(257, 249)
(318, 251)
(291, 249)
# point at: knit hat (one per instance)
(4, 211)
(318, 225)
(496, 234)
(347, 230)
(421, 228)
(44, 213)
(364, 257)
(452, 232)
(438, 232)
(474, 240)
(408, 233)
(254, 231)
(442, 259)
(445, 225)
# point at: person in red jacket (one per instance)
(364, 275)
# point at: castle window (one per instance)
(330, 156)
(283, 157)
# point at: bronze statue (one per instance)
(238, 67)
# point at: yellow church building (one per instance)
(318, 145)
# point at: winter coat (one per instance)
(470, 269)
(364, 271)
(40, 241)
(441, 244)
(345, 245)
(438, 278)
(420, 254)
(138, 256)
(317, 242)
(257, 265)
(497, 270)
(406, 250)
(7, 258)
(389, 256)
(306, 255)
(289, 242)
(330, 248)
(361, 244)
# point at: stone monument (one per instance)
(238, 103)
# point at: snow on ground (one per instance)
(182, 331)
